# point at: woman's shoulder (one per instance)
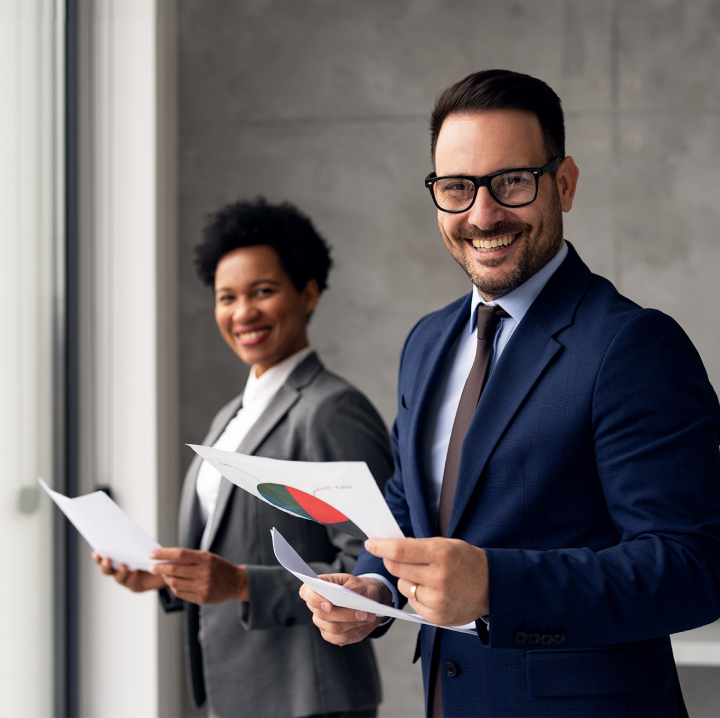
(326, 397)
(326, 386)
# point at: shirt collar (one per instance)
(267, 385)
(517, 302)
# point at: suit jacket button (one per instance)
(289, 621)
(520, 638)
(534, 639)
(559, 638)
(546, 639)
(450, 669)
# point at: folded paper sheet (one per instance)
(341, 596)
(341, 494)
(107, 528)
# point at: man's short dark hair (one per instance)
(303, 253)
(503, 90)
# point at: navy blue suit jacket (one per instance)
(591, 476)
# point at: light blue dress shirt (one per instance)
(446, 396)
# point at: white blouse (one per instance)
(256, 397)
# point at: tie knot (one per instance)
(488, 319)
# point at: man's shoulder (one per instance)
(437, 321)
(604, 317)
(602, 297)
(603, 304)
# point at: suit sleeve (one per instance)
(345, 427)
(655, 428)
(395, 488)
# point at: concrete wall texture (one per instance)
(326, 104)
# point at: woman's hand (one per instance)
(137, 581)
(199, 576)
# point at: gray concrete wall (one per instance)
(325, 104)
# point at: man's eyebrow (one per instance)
(510, 168)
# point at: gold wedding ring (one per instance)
(413, 591)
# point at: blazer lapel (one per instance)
(281, 403)
(527, 354)
(192, 526)
(438, 345)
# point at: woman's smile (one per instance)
(249, 337)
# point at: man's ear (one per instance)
(567, 177)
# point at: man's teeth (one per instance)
(493, 243)
(254, 335)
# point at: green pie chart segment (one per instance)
(309, 507)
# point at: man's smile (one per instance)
(488, 245)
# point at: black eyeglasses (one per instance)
(510, 188)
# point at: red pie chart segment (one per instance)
(319, 510)
(309, 507)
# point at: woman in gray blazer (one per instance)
(251, 647)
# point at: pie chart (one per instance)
(309, 507)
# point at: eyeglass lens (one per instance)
(513, 188)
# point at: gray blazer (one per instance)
(265, 657)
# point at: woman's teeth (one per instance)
(244, 336)
(505, 241)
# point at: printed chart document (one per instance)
(341, 494)
(107, 528)
(341, 596)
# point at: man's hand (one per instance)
(199, 576)
(137, 581)
(343, 626)
(451, 577)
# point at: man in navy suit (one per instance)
(579, 524)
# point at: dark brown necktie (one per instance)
(488, 319)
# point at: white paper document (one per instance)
(341, 494)
(341, 596)
(107, 528)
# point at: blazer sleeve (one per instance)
(169, 602)
(343, 427)
(655, 427)
(395, 488)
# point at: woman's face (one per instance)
(259, 312)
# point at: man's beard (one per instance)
(536, 252)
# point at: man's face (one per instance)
(525, 238)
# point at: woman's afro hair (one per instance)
(303, 253)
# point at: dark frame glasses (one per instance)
(487, 181)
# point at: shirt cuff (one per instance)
(392, 590)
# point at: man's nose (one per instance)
(485, 211)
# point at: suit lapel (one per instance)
(281, 403)
(531, 348)
(438, 345)
(192, 526)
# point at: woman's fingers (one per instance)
(180, 570)
(121, 575)
(106, 567)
